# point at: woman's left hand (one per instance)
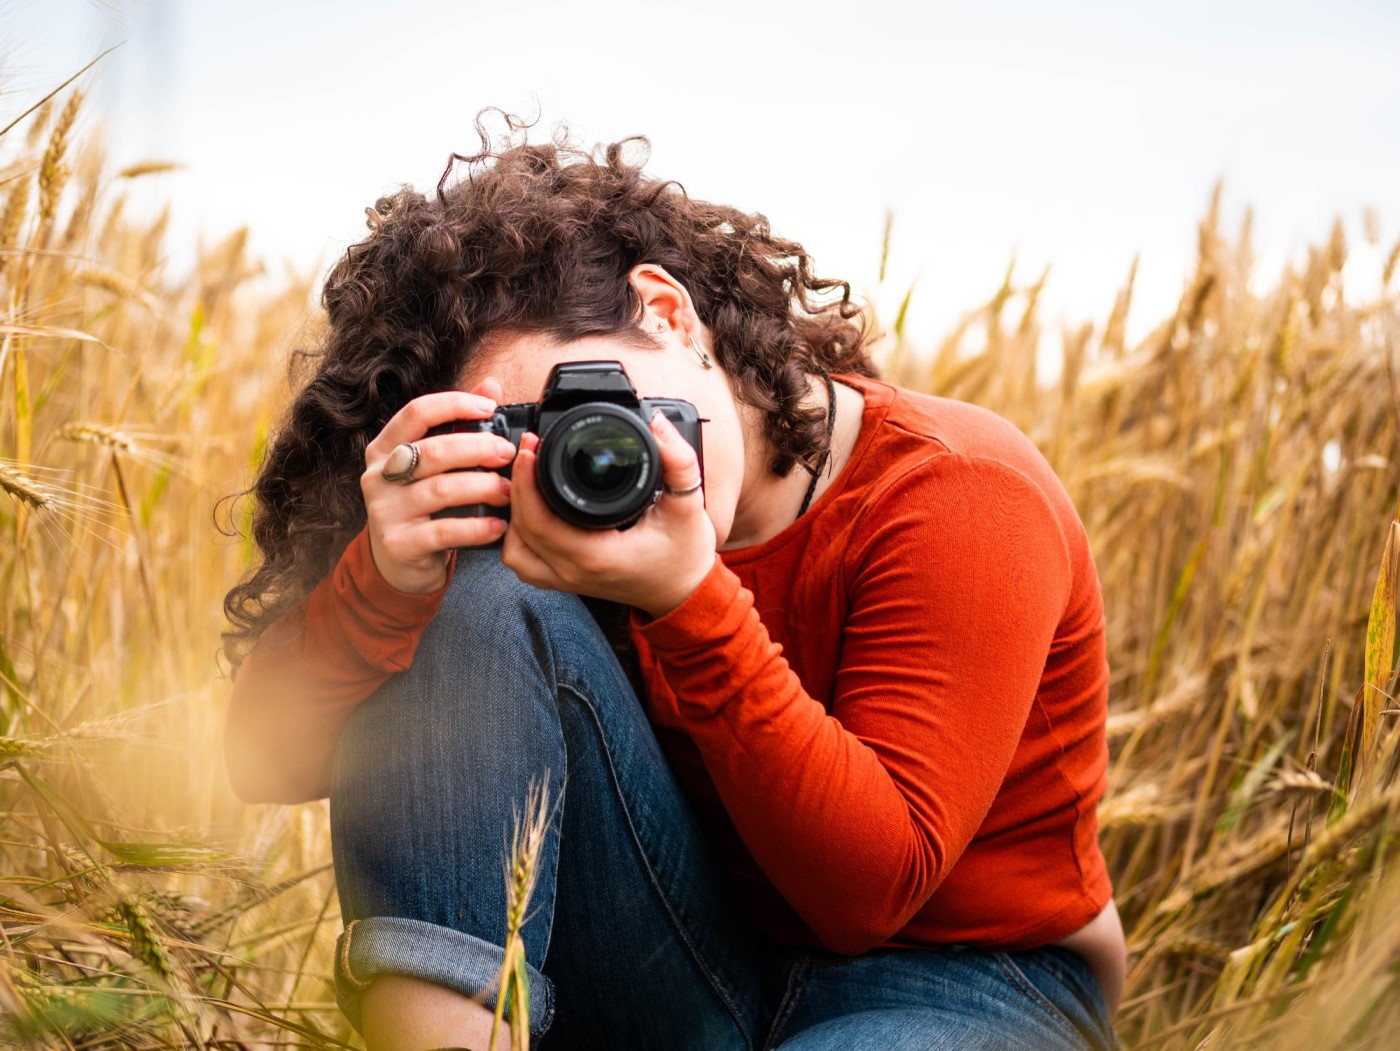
(654, 565)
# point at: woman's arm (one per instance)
(294, 691)
(361, 624)
(962, 574)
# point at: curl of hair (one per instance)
(536, 238)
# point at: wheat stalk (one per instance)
(146, 943)
(16, 203)
(1360, 818)
(136, 171)
(1195, 945)
(98, 434)
(116, 283)
(53, 172)
(19, 748)
(521, 872)
(41, 119)
(24, 489)
(1302, 781)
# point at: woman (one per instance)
(827, 742)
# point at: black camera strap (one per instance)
(830, 433)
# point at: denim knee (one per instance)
(428, 774)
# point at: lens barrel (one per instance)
(599, 466)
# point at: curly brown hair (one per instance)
(541, 240)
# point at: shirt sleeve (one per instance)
(959, 574)
(310, 668)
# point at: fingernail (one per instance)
(659, 416)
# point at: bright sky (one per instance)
(1077, 134)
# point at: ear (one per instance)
(666, 305)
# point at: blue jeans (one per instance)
(634, 937)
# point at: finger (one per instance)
(450, 452)
(441, 459)
(443, 534)
(540, 525)
(412, 421)
(417, 540)
(526, 563)
(425, 496)
(527, 501)
(489, 387)
(680, 467)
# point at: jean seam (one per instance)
(356, 983)
(1018, 978)
(792, 996)
(1082, 977)
(1077, 977)
(359, 985)
(582, 694)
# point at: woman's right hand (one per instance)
(410, 547)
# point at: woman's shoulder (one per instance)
(932, 462)
(909, 427)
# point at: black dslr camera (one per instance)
(598, 465)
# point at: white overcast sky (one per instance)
(1078, 133)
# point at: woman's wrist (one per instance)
(697, 616)
(416, 581)
(672, 599)
(359, 565)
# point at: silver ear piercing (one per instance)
(704, 358)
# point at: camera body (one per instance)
(598, 465)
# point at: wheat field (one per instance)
(1236, 470)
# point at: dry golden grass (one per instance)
(140, 906)
(522, 871)
(1248, 582)
(1248, 816)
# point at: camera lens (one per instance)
(603, 459)
(599, 467)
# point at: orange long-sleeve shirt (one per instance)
(889, 717)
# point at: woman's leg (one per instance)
(956, 998)
(399, 1013)
(632, 937)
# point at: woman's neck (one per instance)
(768, 504)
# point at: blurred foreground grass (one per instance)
(1236, 470)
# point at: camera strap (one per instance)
(830, 433)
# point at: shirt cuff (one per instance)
(380, 621)
(713, 610)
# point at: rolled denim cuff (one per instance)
(461, 962)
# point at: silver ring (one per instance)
(402, 462)
(681, 492)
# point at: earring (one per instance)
(705, 358)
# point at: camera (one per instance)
(598, 465)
